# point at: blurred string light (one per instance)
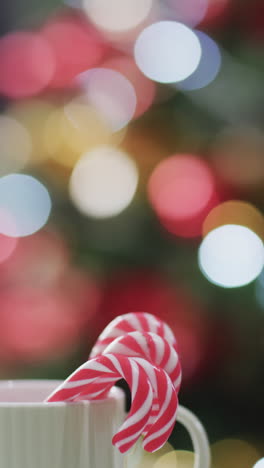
(189, 12)
(176, 459)
(231, 256)
(208, 66)
(111, 94)
(182, 191)
(75, 45)
(233, 453)
(235, 212)
(103, 182)
(32, 115)
(27, 64)
(167, 51)
(117, 15)
(15, 145)
(25, 205)
(237, 155)
(145, 89)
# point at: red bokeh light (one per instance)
(39, 260)
(217, 12)
(27, 64)
(7, 247)
(182, 190)
(145, 89)
(42, 324)
(77, 47)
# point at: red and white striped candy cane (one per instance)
(157, 351)
(152, 347)
(94, 379)
(134, 321)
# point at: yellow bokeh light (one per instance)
(233, 453)
(235, 212)
(33, 115)
(139, 458)
(176, 459)
(16, 146)
(74, 129)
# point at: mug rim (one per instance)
(8, 384)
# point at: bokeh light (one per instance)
(38, 324)
(15, 145)
(25, 202)
(190, 12)
(237, 155)
(7, 247)
(33, 115)
(259, 464)
(39, 260)
(231, 256)
(103, 182)
(73, 129)
(75, 45)
(111, 94)
(117, 15)
(182, 190)
(176, 459)
(235, 212)
(145, 89)
(27, 64)
(217, 12)
(167, 51)
(233, 453)
(139, 458)
(208, 67)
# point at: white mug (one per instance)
(35, 434)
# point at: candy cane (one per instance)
(156, 350)
(95, 377)
(152, 347)
(133, 321)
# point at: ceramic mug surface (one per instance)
(34, 434)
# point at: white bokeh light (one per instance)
(111, 94)
(208, 67)
(117, 15)
(25, 205)
(103, 182)
(167, 51)
(231, 256)
(259, 464)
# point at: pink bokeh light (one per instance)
(182, 190)
(27, 64)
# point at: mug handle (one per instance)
(198, 437)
